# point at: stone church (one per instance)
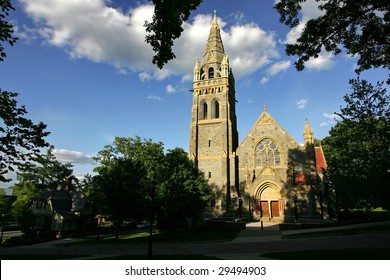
(269, 175)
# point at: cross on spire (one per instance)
(215, 13)
(265, 107)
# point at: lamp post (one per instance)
(152, 194)
(296, 207)
(234, 205)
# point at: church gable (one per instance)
(280, 141)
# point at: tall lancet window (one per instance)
(204, 108)
(211, 72)
(267, 153)
(216, 109)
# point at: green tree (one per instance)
(6, 28)
(151, 154)
(20, 138)
(45, 172)
(360, 26)
(119, 191)
(357, 150)
(183, 194)
(123, 189)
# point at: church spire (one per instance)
(308, 134)
(214, 52)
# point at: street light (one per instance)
(234, 205)
(152, 194)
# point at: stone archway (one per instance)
(268, 202)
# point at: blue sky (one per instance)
(83, 68)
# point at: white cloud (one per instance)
(73, 157)
(278, 67)
(322, 62)
(324, 124)
(264, 81)
(331, 117)
(154, 97)
(95, 31)
(302, 103)
(250, 100)
(170, 89)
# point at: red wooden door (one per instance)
(264, 208)
(275, 208)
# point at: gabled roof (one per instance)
(320, 160)
(267, 119)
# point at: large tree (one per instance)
(360, 26)
(45, 172)
(357, 149)
(119, 190)
(20, 138)
(183, 194)
(122, 188)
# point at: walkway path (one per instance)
(249, 244)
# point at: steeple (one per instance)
(213, 131)
(214, 52)
(308, 134)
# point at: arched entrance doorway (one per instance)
(268, 202)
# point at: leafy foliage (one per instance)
(184, 192)
(360, 26)
(122, 188)
(166, 27)
(6, 29)
(119, 190)
(357, 149)
(46, 173)
(20, 138)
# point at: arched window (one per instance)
(216, 109)
(204, 113)
(267, 153)
(211, 72)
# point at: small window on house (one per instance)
(211, 72)
(209, 143)
(209, 174)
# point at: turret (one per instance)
(197, 71)
(308, 135)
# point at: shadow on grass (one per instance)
(338, 232)
(341, 254)
(189, 236)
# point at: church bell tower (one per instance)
(213, 131)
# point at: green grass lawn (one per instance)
(188, 236)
